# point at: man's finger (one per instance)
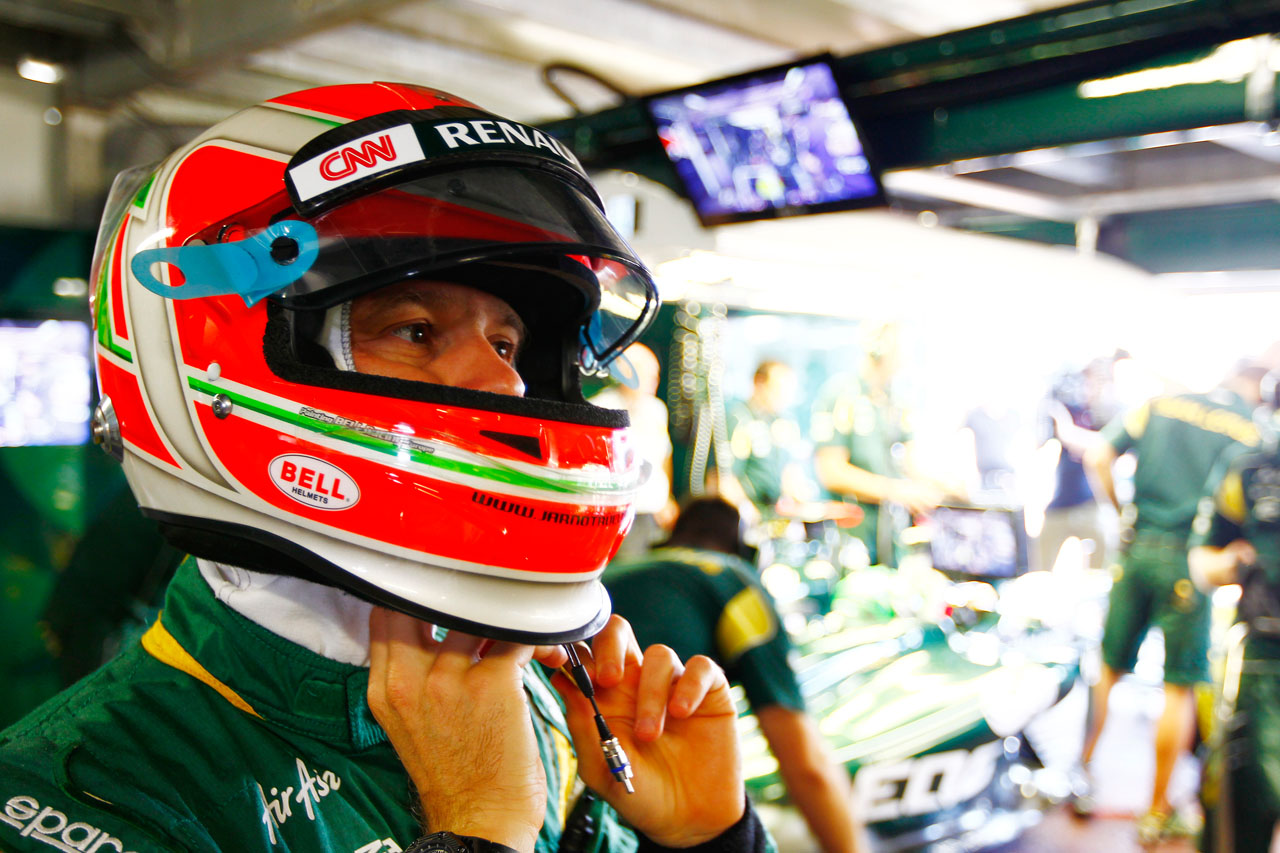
(516, 654)
(701, 677)
(613, 649)
(377, 658)
(660, 669)
(408, 640)
(552, 656)
(457, 652)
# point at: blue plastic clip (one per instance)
(591, 336)
(244, 267)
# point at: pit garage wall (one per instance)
(50, 494)
(33, 191)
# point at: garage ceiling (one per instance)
(181, 59)
(170, 66)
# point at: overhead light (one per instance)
(1231, 62)
(39, 71)
(70, 288)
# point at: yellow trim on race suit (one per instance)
(746, 623)
(161, 645)
(1231, 503)
(1135, 423)
(1236, 426)
(568, 762)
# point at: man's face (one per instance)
(778, 391)
(438, 332)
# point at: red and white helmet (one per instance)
(214, 274)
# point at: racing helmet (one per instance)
(217, 278)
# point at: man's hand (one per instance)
(918, 496)
(1212, 567)
(1242, 552)
(456, 713)
(842, 513)
(677, 724)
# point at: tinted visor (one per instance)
(435, 223)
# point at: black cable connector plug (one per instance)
(614, 755)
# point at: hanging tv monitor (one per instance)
(985, 543)
(774, 142)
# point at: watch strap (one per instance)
(448, 842)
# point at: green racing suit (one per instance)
(214, 734)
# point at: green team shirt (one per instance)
(1180, 437)
(1245, 504)
(850, 418)
(846, 416)
(702, 602)
(760, 451)
(213, 734)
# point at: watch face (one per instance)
(439, 842)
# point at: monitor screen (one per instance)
(977, 542)
(44, 382)
(777, 142)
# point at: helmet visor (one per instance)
(428, 225)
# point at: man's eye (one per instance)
(414, 333)
(506, 349)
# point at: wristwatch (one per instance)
(447, 842)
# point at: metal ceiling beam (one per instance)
(84, 20)
(933, 184)
(1249, 147)
(812, 26)
(1004, 87)
(1186, 196)
(637, 48)
(1066, 44)
(610, 37)
(201, 36)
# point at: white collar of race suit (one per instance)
(322, 619)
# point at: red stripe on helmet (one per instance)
(360, 100)
(136, 426)
(118, 327)
(412, 509)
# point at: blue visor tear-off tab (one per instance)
(600, 349)
(589, 336)
(244, 267)
(622, 370)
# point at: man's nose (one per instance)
(471, 362)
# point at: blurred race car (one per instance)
(956, 704)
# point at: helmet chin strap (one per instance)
(335, 336)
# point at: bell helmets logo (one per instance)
(313, 482)
(359, 158)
